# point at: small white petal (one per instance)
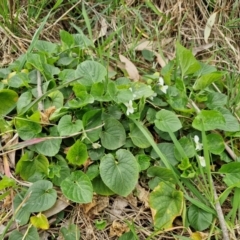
(164, 89)
(202, 161)
(199, 146)
(161, 81)
(129, 106)
(196, 139)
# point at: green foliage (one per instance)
(187, 62)
(42, 196)
(67, 127)
(62, 172)
(89, 132)
(211, 119)
(215, 143)
(28, 128)
(71, 232)
(137, 137)
(164, 174)
(198, 218)
(100, 224)
(120, 174)
(29, 165)
(30, 234)
(232, 173)
(100, 187)
(205, 80)
(8, 99)
(6, 182)
(167, 121)
(114, 135)
(77, 153)
(90, 72)
(22, 215)
(77, 187)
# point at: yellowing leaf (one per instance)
(198, 236)
(40, 221)
(166, 204)
(130, 68)
(209, 25)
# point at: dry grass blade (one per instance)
(209, 25)
(199, 49)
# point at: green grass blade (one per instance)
(87, 21)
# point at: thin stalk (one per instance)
(207, 160)
(33, 141)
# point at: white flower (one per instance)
(163, 87)
(202, 161)
(199, 145)
(129, 106)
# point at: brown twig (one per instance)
(220, 216)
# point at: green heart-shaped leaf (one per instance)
(90, 72)
(42, 196)
(114, 135)
(167, 121)
(67, 127)
(120, 174)
(77, 187)
(77, 154)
